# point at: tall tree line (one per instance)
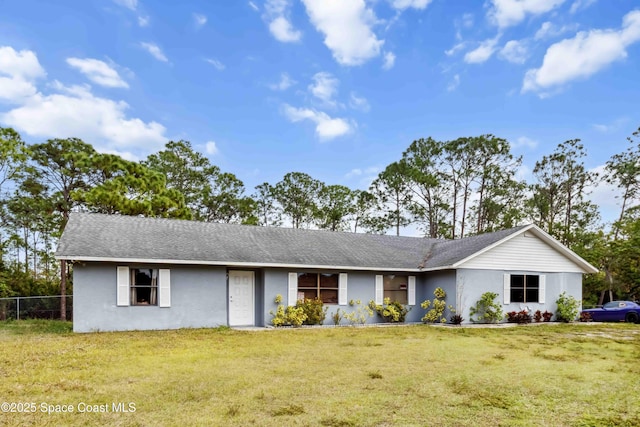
(446, 189)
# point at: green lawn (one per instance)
(544, 375)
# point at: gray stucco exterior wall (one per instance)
(198, 299)
(446, 280)
(471, 284)
(361, 286)
(199, 295)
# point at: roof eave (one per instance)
(233, 264)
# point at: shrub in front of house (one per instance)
(487, 310)
(456, 319)
(585, 317)
(289, 316)
(361, 313)
(537, 316)
(314, 309)
(568, 308)
(520, 317)
(390, 311)
(436, 314)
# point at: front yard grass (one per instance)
(546, 375)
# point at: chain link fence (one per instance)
(40, 307)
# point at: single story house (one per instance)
(133, 273)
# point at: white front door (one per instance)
(241, 306)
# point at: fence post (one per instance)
(18, 308)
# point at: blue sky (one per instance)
(337, 89)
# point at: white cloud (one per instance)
(324, 87)
(584, 55)
(365, 176)
(358, 103)
(72, 111)
(579, 5)
(217, 64)
(453, 85)
(506, 13)
(523, 141)
(515, 52)
(22, 63)
(129, 4)
(143, 21)
(211, 148)
(326, 127)
(354, 172)
(483, 52)
(467, 20)
(283, 31)
(14, 90)
(405, 4)
(253, 6)
(155, 51)
(277, 14)
(610, 127)
(545, 29)
(75, 111)
(346, 25)
(285, 83)
(389, 61)
(548, 30)
(18, 72)
(455, 48)
(199, 20)
(98, 72)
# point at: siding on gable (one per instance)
(523, 253)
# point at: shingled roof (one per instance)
(116, 238)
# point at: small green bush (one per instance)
(337, 317)
(487, 309)
(390, 311)
(360, 314)
(314, 309)
(436, 314)
(567, 308)
(290, 316)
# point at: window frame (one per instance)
(154, 288)
(386, 290)
(124, 291)
(319, 287)
(525, 288)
